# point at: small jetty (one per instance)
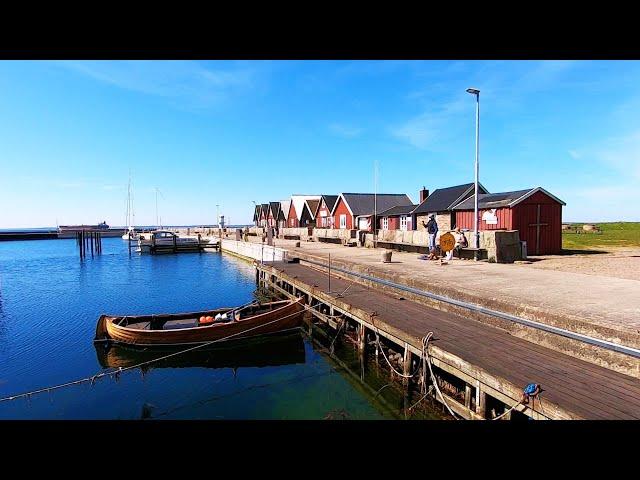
(483, 372)
(165, 241)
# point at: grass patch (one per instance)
(615, 234)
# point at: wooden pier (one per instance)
(485, 368)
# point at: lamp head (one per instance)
(473, 91)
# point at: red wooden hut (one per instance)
(355, 210)
(323, 214)
(535, 213)
(292, 217)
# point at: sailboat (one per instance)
(130, 233)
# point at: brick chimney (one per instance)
(424, 193)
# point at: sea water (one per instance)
(50, 301)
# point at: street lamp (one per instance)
(476, 92)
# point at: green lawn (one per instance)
(616, 234)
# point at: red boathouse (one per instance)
(535, 213)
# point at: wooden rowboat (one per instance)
(184, 328)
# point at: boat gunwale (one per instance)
(110, 320)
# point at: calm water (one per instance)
(50, 302)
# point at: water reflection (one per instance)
(272, 351)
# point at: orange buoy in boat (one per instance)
(206, 320)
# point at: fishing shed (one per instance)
(535, 213)
(440, 203)
(323, 214)
(355, 210)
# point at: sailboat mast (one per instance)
(157, 220)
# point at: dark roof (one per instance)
(502, 199)
(444, 199)
(492, 200)
(365, 203)
(275, 208)
(264, 209)
(398, 210)
(313, 207)
(330, 201)
(256, 212)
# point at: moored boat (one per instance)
(218, 325)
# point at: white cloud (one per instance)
(427, 129)
(600, 203)
(574, 154)
(346, 131)
(188, 82)
(113, 187)
(622, 154)
(503, 84)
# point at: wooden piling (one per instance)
(406, 363)
(467, 396)
(481, 403)
(362, 338)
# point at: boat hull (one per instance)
(286, 315)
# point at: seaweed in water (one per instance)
(340, 414)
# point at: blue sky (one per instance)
(227, 133)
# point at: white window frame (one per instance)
(343, 220)
(403, 222)
(385, 223)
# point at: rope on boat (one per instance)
(116, 373)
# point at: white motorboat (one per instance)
(130, 234)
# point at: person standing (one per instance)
(432, 230)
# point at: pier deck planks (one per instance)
(587, 390)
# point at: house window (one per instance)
(385, 223)
(343, 221)
(403, 222)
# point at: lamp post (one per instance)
(476, 92)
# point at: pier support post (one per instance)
(507, 415)
(481, 402)
(467, 396)
(406, 363)
(362, 338)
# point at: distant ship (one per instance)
(69, 231)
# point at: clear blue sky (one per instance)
(227, 133)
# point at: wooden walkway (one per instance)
(578, 388)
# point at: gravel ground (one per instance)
(619, 262)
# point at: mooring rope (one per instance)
(425, 351)
(116, 373)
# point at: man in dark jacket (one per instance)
(432, 230)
